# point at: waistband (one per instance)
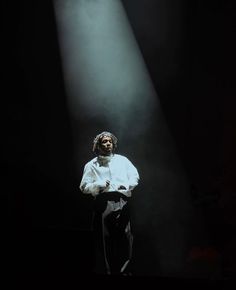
(113, 195)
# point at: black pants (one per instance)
(112, 233)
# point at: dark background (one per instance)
(189, 51)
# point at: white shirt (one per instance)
(115, 168)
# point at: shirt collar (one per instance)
(104, 160)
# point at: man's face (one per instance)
(106, 145)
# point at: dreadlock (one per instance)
(98, 138)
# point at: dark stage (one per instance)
(183, 211)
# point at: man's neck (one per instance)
(106, 155)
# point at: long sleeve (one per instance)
(88, 184)
(133, 175)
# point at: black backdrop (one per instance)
(189, 51)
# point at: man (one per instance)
(110, 179)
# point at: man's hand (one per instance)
(121, 187)
(105, 186)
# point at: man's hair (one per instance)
(98, 138)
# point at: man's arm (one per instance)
(89, 184)
(133, 175)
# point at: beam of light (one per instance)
(105, 74)
(109, 88)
